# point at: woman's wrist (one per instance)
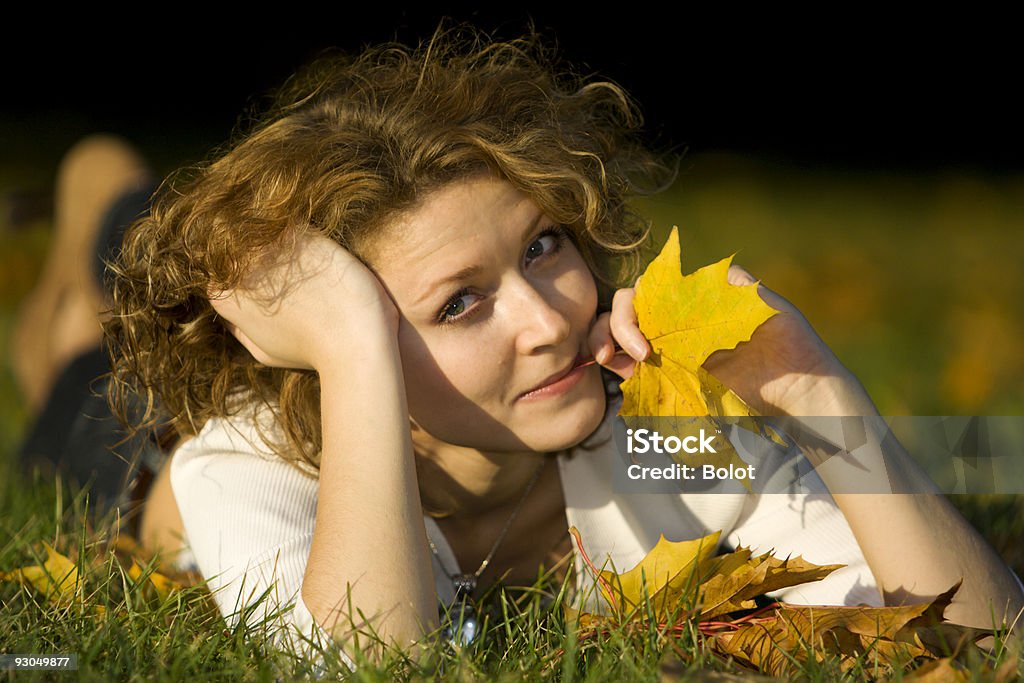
(358, 342)
(836, 393)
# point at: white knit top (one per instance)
(249, 520)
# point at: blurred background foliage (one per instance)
(912, 278)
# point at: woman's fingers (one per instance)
(602, 346)
(291, 307)
(620, 329)
(624, 327)
(616, 329)
(227, 308)
(622, 364)
(738, 275)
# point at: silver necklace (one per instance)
(463, 628)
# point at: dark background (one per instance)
(856, 89)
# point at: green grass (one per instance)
(140, 637)
(912, 279)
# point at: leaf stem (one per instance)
(594, 570)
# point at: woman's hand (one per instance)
(305, 304)
(785, 368)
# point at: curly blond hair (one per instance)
(349, 142)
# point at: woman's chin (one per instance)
(565, 429)
(542, 427)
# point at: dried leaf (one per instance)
(59, 579)
(165, 577)
(889, 637)
(683, 583)
(945, 670)
(735, 585)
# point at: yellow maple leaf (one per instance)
(161, 584)
(666, 575)
(56, 579)
(689, 574)
(686, 318)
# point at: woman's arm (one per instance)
(369, 549)
(917, 545)
(161, 529)
(369, 564)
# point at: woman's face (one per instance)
(496, 303)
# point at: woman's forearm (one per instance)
(916, 543)
(918, 546)
(369, 564)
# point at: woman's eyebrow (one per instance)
(457, 276)
(470, 271)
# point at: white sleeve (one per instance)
(249, 519)
(810, 525)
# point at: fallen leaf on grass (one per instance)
(945, 670)
(683, 586)
(59, 581)
(886, 634)
(666, 574)
(162, 585)
(740, 578)
(56, 579)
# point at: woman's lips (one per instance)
(559, 383)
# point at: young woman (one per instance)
(372, 319)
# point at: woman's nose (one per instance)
(539, 320)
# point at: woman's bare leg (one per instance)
(61, 317)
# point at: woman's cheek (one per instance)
(585, 293)
(420, 369)
(444, 369)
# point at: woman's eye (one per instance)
(547, 242)
(456, 306)
(461, 305)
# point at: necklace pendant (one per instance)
(464, 585)
(461, 624)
